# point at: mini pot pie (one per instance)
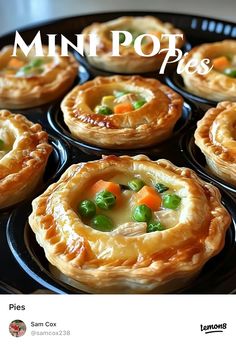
(122, 111)
(220, 83)
(129, 61)
(216, 137)
(24, 151)
(32, 81)
(129, 225)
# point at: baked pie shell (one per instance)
(214, 85)
(220, 160)
(32, 91)
(21, 170)
(128, 61)
(148, 125)
(152, 262)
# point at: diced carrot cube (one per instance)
(148, 196)
(15, 63)
(221, 63)
(101, 185)
(123, 108)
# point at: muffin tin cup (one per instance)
(197, 160)
(17, 239)
(58, 160)
(56, 121)
(175, 82)
(29, 254)
(20, 282)
(32, 259)
(94, 71)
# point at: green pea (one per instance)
(37, 62)
(25, 69)
(104, 110)
(87, 208)
(171, 201)
(155, 226)
(1, 144)
(105, 200)
(121, 37)
(142, 213)
(102, 223)
(161, 187)
(135, 184)
(231, 72)
(139, 104)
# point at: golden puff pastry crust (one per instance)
(129, 61)
(24, 151)
(215, 136)
(136, 128)
(214, 85)
(112, 262)
(29, 86)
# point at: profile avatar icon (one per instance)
(17, 328)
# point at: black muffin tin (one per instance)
(24, 266)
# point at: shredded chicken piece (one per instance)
(169, 218)
(127, 98)
(131, 229)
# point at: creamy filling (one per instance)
(121, 213)
(19, 67)
(6, 141)
(120, 101)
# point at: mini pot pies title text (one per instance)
(119, 38)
